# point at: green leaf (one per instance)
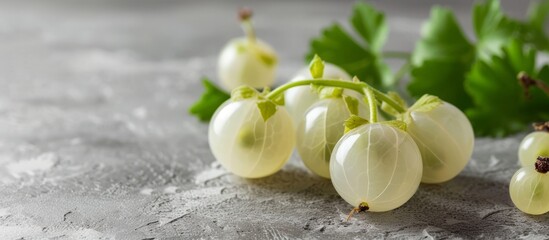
(352, 104)
(371, 25)
(362, 57)
(492, 27)
(353, 122)
(210, 100)
(500, 107)
(388, 108)
(534, 30)
(266, 108)
(442, 39)
(316, 67)
(538, 13)
(441, 60)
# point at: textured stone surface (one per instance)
(95, 141)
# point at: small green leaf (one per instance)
(426, 103)
(352, 104)
(210, 100)
(353, 122)
(316, 67)
(243, 92)
(390, 110)
(266, 108)
(396, 124)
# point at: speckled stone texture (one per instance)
(95, 141)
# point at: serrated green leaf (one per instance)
(441, 60)
(534, 30)
(316, 67)
(500, 107)
(210, 100)
(360, 58)
(352, 104)
(371, 25)
(353, 122)
(266, 108)
(396, 124)
(442, 39)
(492, 27)
(388, 108)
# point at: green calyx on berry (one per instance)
(244, 92)
(267, 107)
(353, 122)
(352, 104)
(426, 103)
(316, 67)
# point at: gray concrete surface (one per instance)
(95, 141)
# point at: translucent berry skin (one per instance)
(533, 145)
(529, 191)
(319, 131)
(445, 139)
(241, 63)
(245, 144)
(376, 164)
(299, 99)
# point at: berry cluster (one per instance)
(529, 187)
(375, 159)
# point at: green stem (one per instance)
(248, 29)
(322, 82)
(372, 103)
(356, 86)
(384, 98)
(396, 54)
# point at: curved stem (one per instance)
(372, 104)
(356, 86)
(396, 54)
(322, 82)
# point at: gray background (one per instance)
(95, 140)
